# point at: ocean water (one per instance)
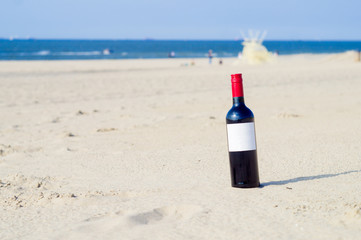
(34, 49)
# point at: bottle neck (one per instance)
(237, 93)
(237, 101)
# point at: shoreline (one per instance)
(180, 58)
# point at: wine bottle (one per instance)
(241, 139)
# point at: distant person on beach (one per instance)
(240, 55)
(107, 51)
(171, 54)
(210, 56)
(220, 61)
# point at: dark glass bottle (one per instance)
(241, 139)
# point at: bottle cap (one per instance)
(236, 77)
(237, 85)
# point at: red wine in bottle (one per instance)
(241, 139)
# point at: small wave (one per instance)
(124, 54)
(91, 53)
(228, 54)
(42, 53)
(39, 53)
(213, 55)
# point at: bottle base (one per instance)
(250, 185)
(244, 169)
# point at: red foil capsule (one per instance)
(237, 85)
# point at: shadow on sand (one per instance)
(308, 178)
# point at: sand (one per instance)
(137, 149)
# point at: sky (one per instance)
(176, 19)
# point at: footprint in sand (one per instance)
(121, 221)
(168, 213)
(102, 216)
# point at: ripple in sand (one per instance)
(106, 129)
(288, 115)
(80, 112)
(7, 149)
(18, 191)
(56, 120)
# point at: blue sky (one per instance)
(187, 19)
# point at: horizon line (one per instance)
(163, 39)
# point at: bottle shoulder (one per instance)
(239, 113)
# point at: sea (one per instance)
(37, 49)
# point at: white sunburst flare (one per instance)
(254, 52)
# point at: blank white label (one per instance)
(241, 137)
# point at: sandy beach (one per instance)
(137, 149)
